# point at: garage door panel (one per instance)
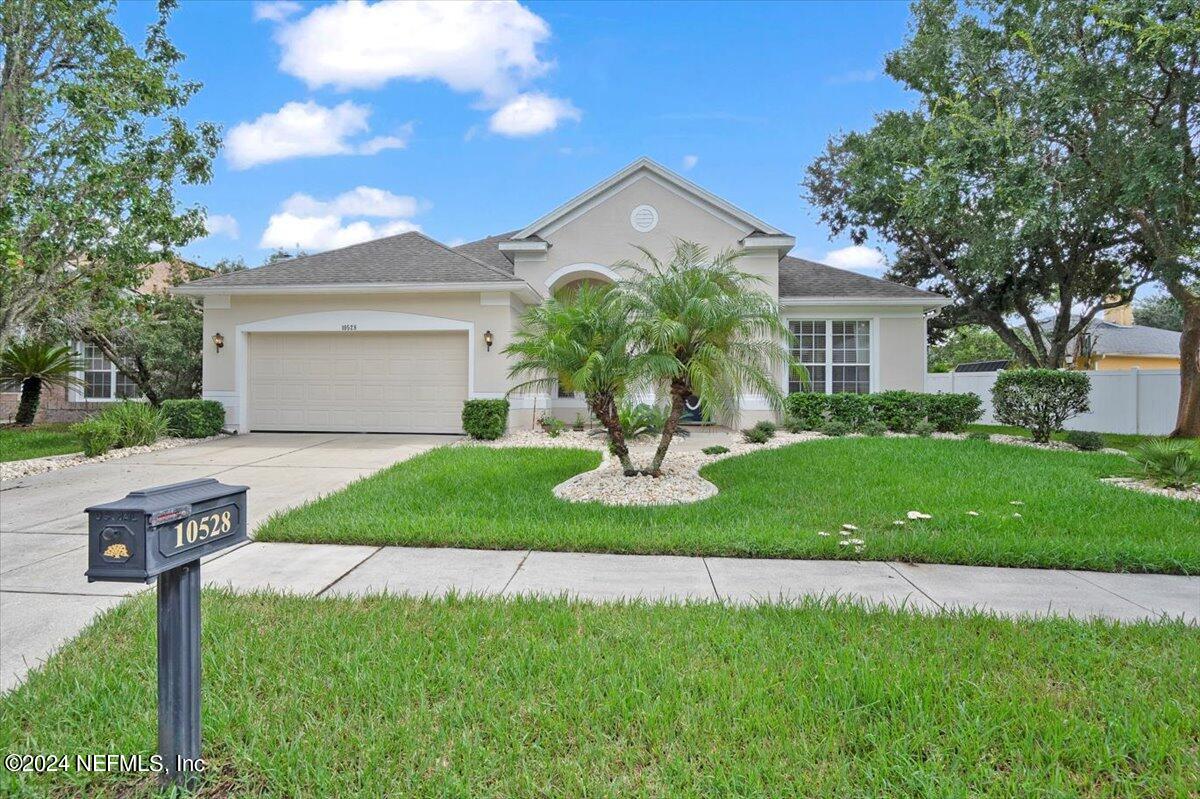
(358, 382)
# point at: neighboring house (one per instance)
(1115, 342)
(394, 334)
(100, 382)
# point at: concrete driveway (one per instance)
(44, 597)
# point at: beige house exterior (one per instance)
(393, 335)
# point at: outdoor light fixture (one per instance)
(218, 341)
(488, 339)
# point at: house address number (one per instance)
(349, 328)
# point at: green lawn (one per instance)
(773, 503)
(19, 443)
(483, 698)
(1125, 441)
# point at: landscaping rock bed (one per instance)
(11, 470)
(1058, 446)
(1134, 484)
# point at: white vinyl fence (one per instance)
(1141, 401)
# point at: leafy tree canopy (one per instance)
(1162, 311)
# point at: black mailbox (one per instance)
(156, 529)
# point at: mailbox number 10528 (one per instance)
(202, 528)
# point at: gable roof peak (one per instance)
(673, 180)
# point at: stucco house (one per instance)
(1114, 341)
(394, 334)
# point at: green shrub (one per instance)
(979, 435)
(97, 434)
(1085, 440)
(793, 425)
(579, 423)
(852, 410)
(193, 418)
(138, 423)
(755, 435)
(924, 428)
(835, 428)
(806, 410)
(715, 449)
(898, 410)
(640, 420)
(1040, 400)
(767, 427)
(552, 425)
(1168, 463)
(485, 419)
(874, 427)
(951, 413)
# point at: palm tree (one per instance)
(34, 364)
(581, 341)
(713, 332)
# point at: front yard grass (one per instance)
(487, 698)
(21, 443)
(773, 503)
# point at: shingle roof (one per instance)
(1113, 339)
(407, 258)
(801, 278)
(488, 251)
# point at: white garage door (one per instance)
(358, 382)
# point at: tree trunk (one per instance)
(31, 397)
(1187, 423)
(679, 390)
(605, 410)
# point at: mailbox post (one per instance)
(161, 534)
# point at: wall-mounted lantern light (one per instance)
(489, 339)
(218, 341)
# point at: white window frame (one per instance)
(872, 349)
(78, 391)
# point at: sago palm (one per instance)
(711, 328)
(580, 341)
(35, 364)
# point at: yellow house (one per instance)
(1115, 342)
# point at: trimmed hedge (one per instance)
(485, 419)
(193, 418)
(899, 411)
(806, 410)
(951, 413)
(1040, 400)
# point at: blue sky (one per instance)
(345, 122)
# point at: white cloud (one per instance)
(222, 225)
(275, 10)
(483, 47)
(689, 161)
(311, 224)
(856, 257)
(360, 201)
(853, 76)
(531, 114)
(308, 129)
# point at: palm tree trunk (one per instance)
(605, 409)
(31, 397)
(679, 389)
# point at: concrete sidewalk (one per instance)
(330, 570)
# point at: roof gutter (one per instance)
(912, 302)
(518, 287)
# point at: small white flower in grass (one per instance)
(1015, 502)
(824, 534)
(858, 548)
(849, 527)
(856, 541)
(899, 522)
(972, 513)
(1016, 516)
(916, 514)
(843, 543)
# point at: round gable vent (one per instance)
(643, 218)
